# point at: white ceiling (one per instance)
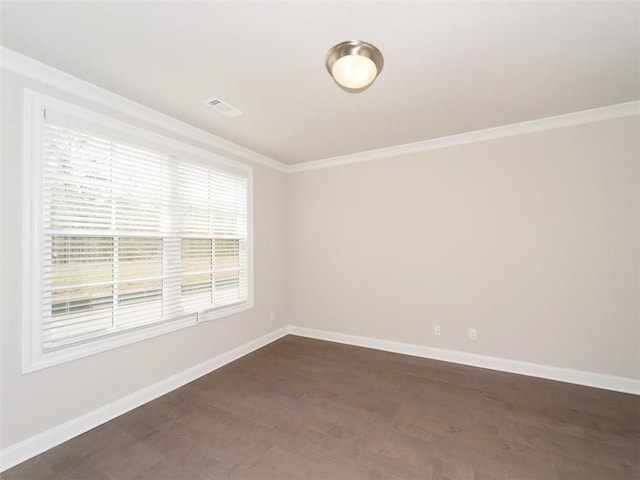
(450, 67)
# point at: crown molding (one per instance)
(549, 123)
(40, 72)
(37, 71)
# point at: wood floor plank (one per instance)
(308, 409)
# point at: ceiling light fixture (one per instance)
(354, 64)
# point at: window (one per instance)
(131, 235)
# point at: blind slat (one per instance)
(133, 237)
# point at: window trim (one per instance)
(34, 106)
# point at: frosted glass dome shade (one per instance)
(354, 71)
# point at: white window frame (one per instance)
(34, 107)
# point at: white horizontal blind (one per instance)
(134, 237)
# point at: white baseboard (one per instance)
(42, 442)
(579, 377)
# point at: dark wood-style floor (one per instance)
(307, 409)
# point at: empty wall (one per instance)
(532, 240)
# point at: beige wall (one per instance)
(46, 398)
(533, 240)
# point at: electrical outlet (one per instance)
(437, 330)
(473, 334)
(272, 316)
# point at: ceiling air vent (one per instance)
(223, 107)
